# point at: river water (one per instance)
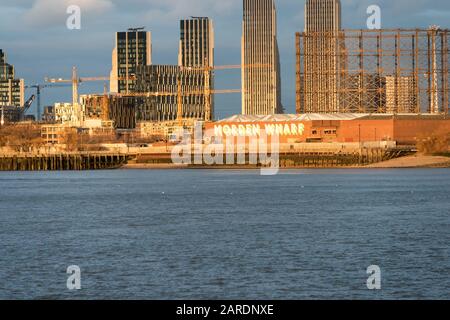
(217, 234)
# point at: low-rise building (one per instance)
(56, 133)
(118, 109)
(405, 129)
(69, 114)
(49, 114)
(168, 130)
(10, 114)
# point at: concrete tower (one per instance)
(261, 84)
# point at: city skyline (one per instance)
(58, 49)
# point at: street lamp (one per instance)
(2, 120)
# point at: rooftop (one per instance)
(323, 117)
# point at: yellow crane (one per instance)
(208, 92)
(77, 80)
(208, 70)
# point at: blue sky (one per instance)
(35, 37)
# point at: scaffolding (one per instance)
(373, 71)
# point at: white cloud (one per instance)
(162, 11)
(44, 13)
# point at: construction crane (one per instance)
(105, 104)
(182, 94)
(27, 106)
(208, 92)
(21, 110)
(76, 81)
(207, 69)
(38, 88)
(208, 72)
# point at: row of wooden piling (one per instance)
(331, 160)
(62, 162)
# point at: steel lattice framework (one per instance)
(373, 71)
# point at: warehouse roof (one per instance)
(293, 117)
(320, 117)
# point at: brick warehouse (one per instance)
(340, 128)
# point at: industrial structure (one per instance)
(368, 71)
(38, 88)
(10, 114)
(319, 86)
(133, 48)
(261, 87)
(380, 71)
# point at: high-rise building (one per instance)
(261, 82)
(133, 48)
(322, 15)
(11, 89)
(197, 51)
(319, 85)
(196, 42)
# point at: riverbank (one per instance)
(87, 161)
(414, 161)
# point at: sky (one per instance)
(37, 41)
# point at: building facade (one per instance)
(317, 90)
(261, 81)
(67, 113)
(133, 48)
(117, 111)
(325, 129)
(49, 114)
(164, 79)
(196, 42)
(197, 51)
(11, 89)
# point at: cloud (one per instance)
(164, 12)
(46, 13)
